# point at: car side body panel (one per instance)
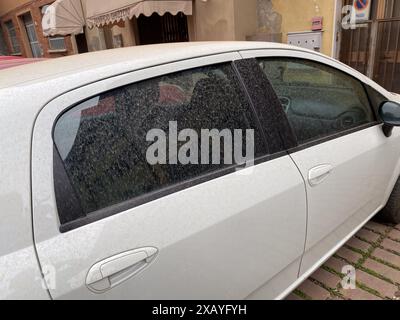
(20, 274)
(358, 186)
(364, 166)
(217, 240)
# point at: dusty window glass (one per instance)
(318, 100)
(103, 143)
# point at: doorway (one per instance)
(373, 47)
(81, 42)
(31, 34)
(162, 29)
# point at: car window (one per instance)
(318, 100)
(103, 144)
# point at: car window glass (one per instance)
(318, 100)
(103, 145)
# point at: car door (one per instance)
(111, 224)
(349, 165)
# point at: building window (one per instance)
(15, 46)
(3, 46)
(56, 43)
(30, 29)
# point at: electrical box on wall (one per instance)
(309, 40)
(317, 23)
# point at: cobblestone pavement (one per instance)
(375, 253)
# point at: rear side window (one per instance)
(103, 144)
(319, 100)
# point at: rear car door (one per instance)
(111, 225)
(348, 163)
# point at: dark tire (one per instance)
(391, 213)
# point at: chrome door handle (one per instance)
(112, 271)
(318, 174)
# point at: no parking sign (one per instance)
(362, 10)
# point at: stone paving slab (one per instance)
(325, 277)
(386, 256)
(375, 254)
(359, 245)
(395, 234)
(368, 235)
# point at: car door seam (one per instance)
(40, 266)
(307, 213)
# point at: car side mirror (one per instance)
(389, 112)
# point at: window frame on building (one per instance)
(3, 44)
(30, 35)
(14, 43)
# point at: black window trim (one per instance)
(320, 140)
(266, 105)
(165, 191)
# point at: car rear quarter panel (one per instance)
(20, 276)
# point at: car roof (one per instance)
(138, 57)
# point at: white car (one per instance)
(82, 209)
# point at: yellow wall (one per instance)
(297, 16)
(223, 20)
(214, 20)
(237, 19)
(245, 14)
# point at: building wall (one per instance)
(211, 20)
(297, 16)
(245, 13)
(8, 5)
(95, 39)
(223, 20)
(126, 31)
(214, 20)
(13, 10)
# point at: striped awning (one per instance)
(102, 12)
(63, 17)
